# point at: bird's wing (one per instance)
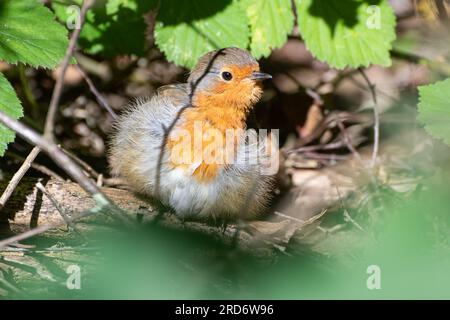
(177, 94)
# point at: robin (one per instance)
(187, 146)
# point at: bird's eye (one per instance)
(227, 76)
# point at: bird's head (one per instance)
(227, 77)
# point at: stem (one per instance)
(376, 114)
(56, 96)
(27, 91)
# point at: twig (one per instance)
(27, 90)
(303, 222)
(100, 69)
(101, 100)
(18, 176)
(55, 203)
(376, 126)
(315, 96)
(348, 140)
(86, 167)
(113, 182)
(43, 228)
(56, 96)
(46, 171)
(49, 250)
(347, 216)
(49, 122)
(318, 147)
(60, 158)
(100, 180)
(36, 166)
(324, 156)
(325, 123)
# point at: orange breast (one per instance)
(203, 141)
(208, 122)
(218, 112)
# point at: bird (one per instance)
(152, 147)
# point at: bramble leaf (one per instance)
(347, 33)
(113, 27)
(271, 21)
(434, 109)
(30, 34)
(9, 104)
(185, 30)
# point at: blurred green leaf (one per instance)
(434, 109)
(185, 30)
(29, 34)
(10, 104)
(271, 21)
(348, 33)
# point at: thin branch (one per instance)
(326, 123)
(43, 228)
(49, 250)
(303, 222)
(18, 176)
(347, 216)
(49, 122)
(100, 69)
(113, 182)
(56, 96)
(376, 114)
(60, 158)
(100, 180)
(324, 156)
(36, 166)
(318, 147)
(27, 90)
(348, 140)
(101, 100)
(86, 167)
(65, 163)
(60, 209)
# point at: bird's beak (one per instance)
(260, 76)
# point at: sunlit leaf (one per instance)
(187, 29)
(347, 33)
(9, 104)
(271, 21)
(434, 109)
(30, 34)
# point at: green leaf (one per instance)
(345, 33)
(112, 27)
(434, 109)
(271, 21)
(9, 104)
(185, 30)
(113, 6)
(29, 34)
